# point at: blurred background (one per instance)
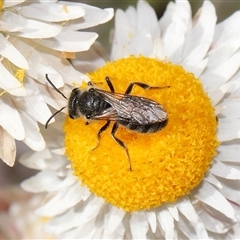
(10, 176)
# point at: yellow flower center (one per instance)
(165, 165)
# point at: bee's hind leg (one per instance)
(121, 143)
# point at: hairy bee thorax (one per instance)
(88, 104)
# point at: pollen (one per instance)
(166, 165)
(20, 74)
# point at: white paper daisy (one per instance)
(32, 36)
(184, 181)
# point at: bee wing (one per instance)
(134, 109)
(108, 114)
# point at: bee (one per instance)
(136, 113)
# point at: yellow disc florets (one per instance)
(166, 164)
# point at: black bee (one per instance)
(133, 112)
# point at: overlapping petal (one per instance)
(32, 35)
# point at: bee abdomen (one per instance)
(150, 128)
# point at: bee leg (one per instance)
(142, 85)
(109, 83)
(122, 144)
(102, 129)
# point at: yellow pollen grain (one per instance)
(167, 164)
(20, 74)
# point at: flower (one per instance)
(33, 36)
(208, 208)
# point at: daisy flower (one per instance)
(35, 39)
(178, 183)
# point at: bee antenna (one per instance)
(57, 90)
(46, 124)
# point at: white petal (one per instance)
(141, 44)
(229, 108)
(220, 54)
(210, 196)
(217, 94)
(45, 180)
(199, 39)
(198, 69)
(8, 147)
(225, 132)
(51, 12)
(31, 28)
(131, 14)
(193, 230)
(123, 31)
(59, 151)
(66, 198)
(7, 4)
(33, 137)
(227, 32)
(117, 234)
(53, 98)
(33, 103)
(89, 61)
(152, 219)
(167, 223)
(60, 66)
(128, 40)
(10, 83)
(74, 217)
(35, 160)
(45, 159)
(183, 9)
(39, 62)
(211, 179)
(8, 27)
(70, 41)
(186, 208)
(93, 17)
(222, 170)
(158, 50)
(138, 225)
(49, 1)
(174, 24)
(229, 152)
(10, 119)
(231, 190)
(86, 231)
(174, 11)
(116, 216)
(224, 71)
(63, 222)
(11, 53)
(213, 220)
(174, 212)
(151, 22)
